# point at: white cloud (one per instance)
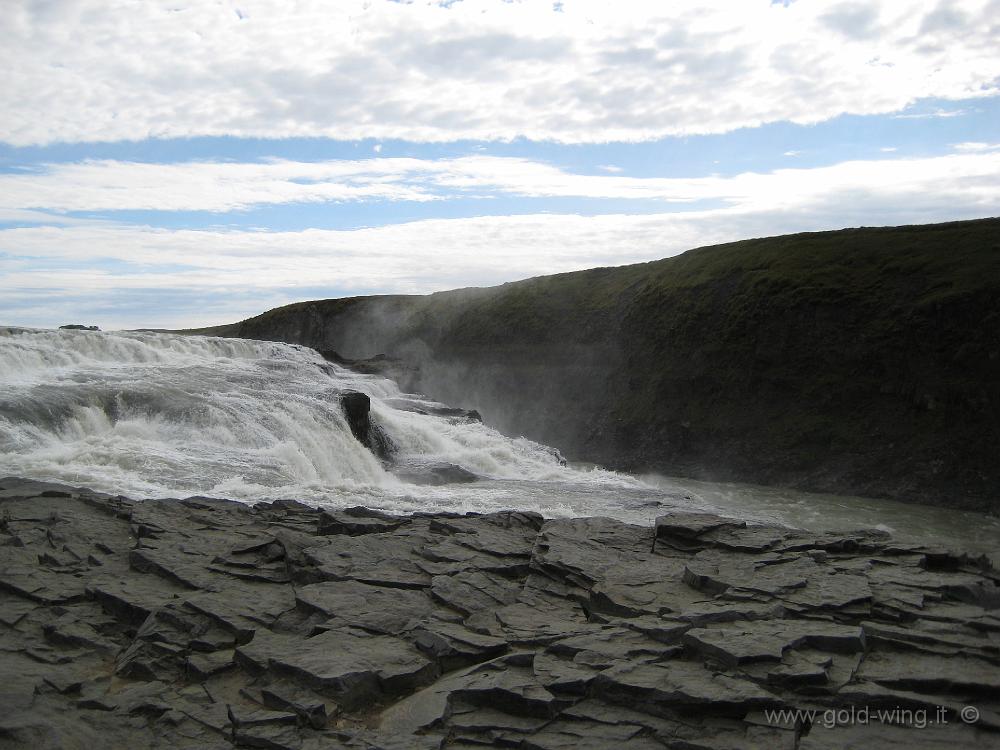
(937, 113)
(91, 262)
(103, 185)
(976, 146)
(86, 70)
(224, 186)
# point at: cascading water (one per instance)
(159, 415)
(148, 414)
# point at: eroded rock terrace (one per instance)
(203, 623)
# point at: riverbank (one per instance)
(207, 623)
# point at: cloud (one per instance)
(853, 19)
(587, 71)
(107, 186)
(976, 146)
(937, 113)
(243, 272)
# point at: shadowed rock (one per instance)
(202, 623)
(357, 410)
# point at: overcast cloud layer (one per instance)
(189, 163)
(575, 71)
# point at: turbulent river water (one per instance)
(160, 415)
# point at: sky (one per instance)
(177, 164)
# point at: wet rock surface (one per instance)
(203, 623)
(357, 410)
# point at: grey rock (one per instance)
(472, 591)
(928, 673)
(360, 605)
(567, 735)
(202, 666)
(133, 599)
(889, 736)
(680, 685)
(690, 527)
(356, 521)
(196, 623)
(388, 560)
(768, 641)
(435, 473)
(509, 688)
(453, 646)
(351, 668)
(308, 706)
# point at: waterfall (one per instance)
(152, 414)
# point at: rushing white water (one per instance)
(158, 415)
(147, 414)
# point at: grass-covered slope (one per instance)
(863, 360)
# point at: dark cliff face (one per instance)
(862, 361)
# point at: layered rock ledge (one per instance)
(203, 623)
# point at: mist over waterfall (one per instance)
(148, 414)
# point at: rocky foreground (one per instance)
(204, 623)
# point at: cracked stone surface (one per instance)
(200, 623)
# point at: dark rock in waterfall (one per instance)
(78, 327)
(357, 409)
(435, 409)
(435, 473)
(380, 443)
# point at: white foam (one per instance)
(149, 414)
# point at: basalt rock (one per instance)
(435, 473)
(206, 624)
(453, 413)
(357, 410)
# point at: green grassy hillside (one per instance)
(863, 360)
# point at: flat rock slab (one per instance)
(732, 646)
(684, 685)
(929, 672)
(199, 623)
(355, 669)
(387, 611)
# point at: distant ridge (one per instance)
(859, 361)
